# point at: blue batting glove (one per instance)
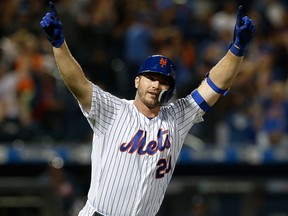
(243, 31)
(52, 27)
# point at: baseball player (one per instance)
(136, 142)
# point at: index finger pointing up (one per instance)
(53, 9)
(239, 15)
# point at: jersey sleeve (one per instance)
(103, 110)
(186, 112)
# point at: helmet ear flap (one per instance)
(166, 95)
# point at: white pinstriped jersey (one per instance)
(133, 157)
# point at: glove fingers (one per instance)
(42, 23)
(239, 15)
(53, 10)
(56, 23)
(47, 21)
(250, 27)
(248, 24)
(48, 16)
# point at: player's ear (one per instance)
(137, 80)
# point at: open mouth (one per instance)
(153, 94)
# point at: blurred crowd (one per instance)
(110, 39)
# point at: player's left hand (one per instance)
(52, 27)
(243, 31)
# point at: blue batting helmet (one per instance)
(162, 65)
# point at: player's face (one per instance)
(149, 87)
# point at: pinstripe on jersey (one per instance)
(131, 166)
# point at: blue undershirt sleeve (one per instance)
(200, 100)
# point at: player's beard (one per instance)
(147, 99)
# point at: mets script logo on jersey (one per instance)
(138, 143)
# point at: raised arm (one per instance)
(221, 76)
(70, 71)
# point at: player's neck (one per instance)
(145, 110)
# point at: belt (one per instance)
(97, 214)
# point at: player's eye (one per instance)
(152, 78)
(164, 82)
(162, 79)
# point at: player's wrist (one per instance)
(58, 43)
(237, 49)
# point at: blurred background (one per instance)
(233, 163)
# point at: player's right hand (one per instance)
(52, 27)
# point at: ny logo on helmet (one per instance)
(163, 62)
